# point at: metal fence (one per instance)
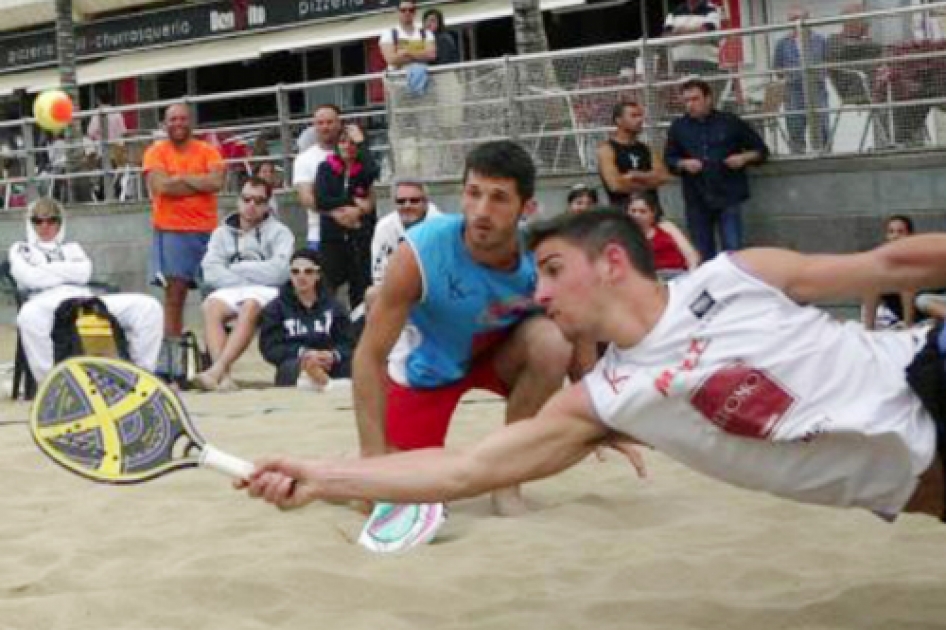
(852, 84)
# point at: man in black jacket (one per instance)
(710, 151)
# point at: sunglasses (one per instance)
(309, 271)
(259, 201)
(45, 220)
(414, 201)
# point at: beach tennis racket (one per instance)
(396, 527)
(112, 422)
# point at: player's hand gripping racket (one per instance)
(113, 422)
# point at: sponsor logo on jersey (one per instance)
(743, 400)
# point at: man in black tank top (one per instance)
(625, 164)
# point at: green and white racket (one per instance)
(112, 422)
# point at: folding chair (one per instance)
(23, 381)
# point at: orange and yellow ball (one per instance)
(53, 110)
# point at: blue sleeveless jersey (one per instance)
(465, 307)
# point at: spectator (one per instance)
(328, 125)
(891, 310)
(581, 198)
(446, 47)
(710, 151)
(246, 263)
(344, 195)
(409, 48)
(267, 172)
(405, 44)
(788, 63)
(449, 95)
(184, 176)
(52, 270)
(305, 332)
(411, 206)
(847, 53)
(626, 164)
(115, 128)
(698, 57)
(672, 250)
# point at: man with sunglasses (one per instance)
(247, 261)
(411, 206)
(406, 43)
(51, 270)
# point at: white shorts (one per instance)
(234, 297)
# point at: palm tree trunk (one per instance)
(66, 49)
(530, 31)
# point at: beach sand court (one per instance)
(600, 550)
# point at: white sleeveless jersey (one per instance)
(741, 383)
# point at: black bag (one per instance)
(181, 359)
(83, 326)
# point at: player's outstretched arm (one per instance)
(563, 433)
(914, 262)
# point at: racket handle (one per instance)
(215, 459)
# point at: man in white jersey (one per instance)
(411, 206)
(723, 370)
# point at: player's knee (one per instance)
(548, 351)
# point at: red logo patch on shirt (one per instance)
(743, 401)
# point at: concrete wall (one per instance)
(828, 205)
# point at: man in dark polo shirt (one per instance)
(710, 151)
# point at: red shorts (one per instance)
(418, 418)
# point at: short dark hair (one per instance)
(907, 221)
(579, 190)
(697, 84)
(503, 159)
(258, 182)
(331, 106)
(308, 254)
(593, 231)
(618, 110)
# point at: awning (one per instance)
(31, 81)
(160, 60)
(454, 14)
(221, 51)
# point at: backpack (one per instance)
(395, 36)
(180, 359)
(84, 327)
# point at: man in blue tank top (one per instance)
(455, 313)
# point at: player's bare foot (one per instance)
(205, 381)
(509, 502)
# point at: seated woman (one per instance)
(673, 252)
(891, 310)
(305, 332)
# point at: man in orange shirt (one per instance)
(184, 175)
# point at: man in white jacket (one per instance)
(52, 270)
(246, 262)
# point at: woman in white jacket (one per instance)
(51, 270)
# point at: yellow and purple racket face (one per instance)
(112, 422)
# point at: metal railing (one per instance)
(851, 84)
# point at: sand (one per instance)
(600, 549)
